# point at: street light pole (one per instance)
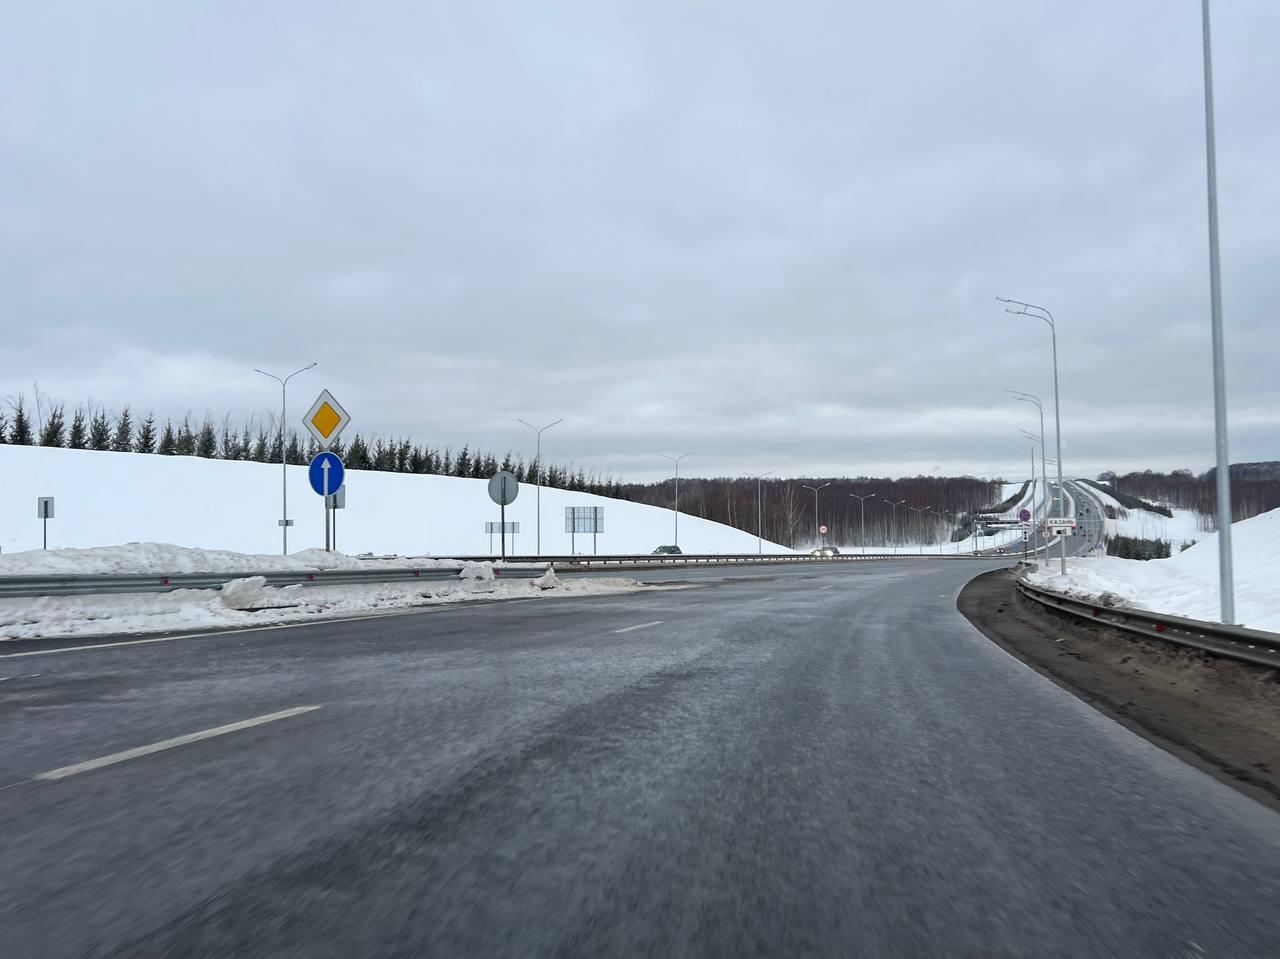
(921, 509)
(1034, 440)
(284, 455)
(815, 489)
(894, 528)
(939, 514)
(760, 512)
(1035, 401)
(862, 503)
(1226, 573)
(1024, 309)
(675, 510)
(540, 431)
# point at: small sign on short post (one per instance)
(44, 512)
(583, 519)
(503, 490)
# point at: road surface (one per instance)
(821, 760)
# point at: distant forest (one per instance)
(935, 508)
(1255, 488)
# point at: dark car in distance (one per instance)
(668, 551)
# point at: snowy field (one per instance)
(1185, 526)
(1186, 584)
(249, 602)
(105, 499)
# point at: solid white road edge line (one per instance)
(91, 764)
(628, 629)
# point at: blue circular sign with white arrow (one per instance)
(326, 473)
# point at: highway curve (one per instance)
(827, 760)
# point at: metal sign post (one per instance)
(503, 527)
(336, 501)
(503, 490)
(44, 511)
(326, 474)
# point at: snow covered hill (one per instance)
(106, 499)
(1185, 526)
(1186, 584)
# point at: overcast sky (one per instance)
(769, 234)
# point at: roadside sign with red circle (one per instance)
(822, 529)
(1024, 514)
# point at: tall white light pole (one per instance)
(942, 515)
(284, 456)
(921, 509)
(759, 511)
(1034, 440)
(1226, 574)
(1040, 313)
(862, 503)
(894, 528)
(540, 431)
(815, 489)
(675, 510)
(1035, 401)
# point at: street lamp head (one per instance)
(1024, 309)
(541, 430)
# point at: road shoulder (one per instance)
(1218, 715)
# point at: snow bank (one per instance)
(104, 498)
(250, 602)
(166, 559)
(1186, 584)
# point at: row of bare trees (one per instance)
(1255, 488)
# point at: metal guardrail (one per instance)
(515, 567)
(97, 583)
(711, 559)
(1233, 642)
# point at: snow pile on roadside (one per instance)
(165, 559)
(250, 602)
(1186, 584)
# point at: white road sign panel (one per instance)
(326, 419)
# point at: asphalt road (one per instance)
(825, 760)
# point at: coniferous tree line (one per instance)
(262, 441)
(1135, 547)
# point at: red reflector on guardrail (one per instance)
(165, 581)
(1159, 627)
(311, 577)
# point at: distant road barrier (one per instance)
(96, 583)
(709, 559)
(1233, 642)
(517, 567)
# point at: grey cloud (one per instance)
(773, 235)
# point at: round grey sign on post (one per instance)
(503, 488)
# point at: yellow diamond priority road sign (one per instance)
(326, 419)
